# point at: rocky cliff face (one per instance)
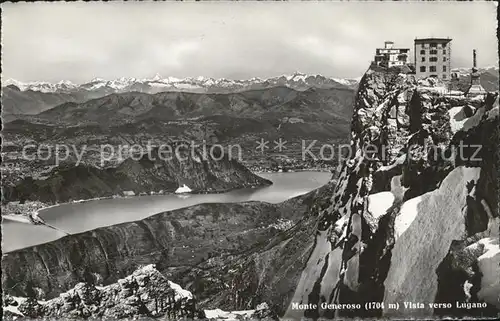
(152, 173)
(414, 216)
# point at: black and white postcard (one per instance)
(249, 160)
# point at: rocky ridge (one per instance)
(19, 98)
(128, 107)
(146, 293)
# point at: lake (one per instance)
(80, 217)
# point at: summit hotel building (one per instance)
(432, 58)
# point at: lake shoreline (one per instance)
(40, 206)
(88, 214)
(34, 208)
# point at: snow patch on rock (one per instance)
(219, 314)
(379, 203)
(407, 215)
(397, 189)
(489, 265)
(460, 122)
(457, 118)
(425, 228)
(180, 293)
(13, 307)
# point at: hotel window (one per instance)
(444, 76)
(422, 68)
(444, 58)
(423, 59)
(433, 52)
(423, 45)
(433, 59)
(444, 68)
(432, 68)
(444, 51)
(422, 52)
(433, 45)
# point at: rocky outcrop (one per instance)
(144, 293)
(413, 217)
(154, 172)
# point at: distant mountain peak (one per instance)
(157, 77)
(65, 82)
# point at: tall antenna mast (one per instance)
(474, 60)
(475, 88)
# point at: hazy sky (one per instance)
(80, 41)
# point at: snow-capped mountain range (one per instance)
(297, 80)
(158, 83)
(465, 71)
